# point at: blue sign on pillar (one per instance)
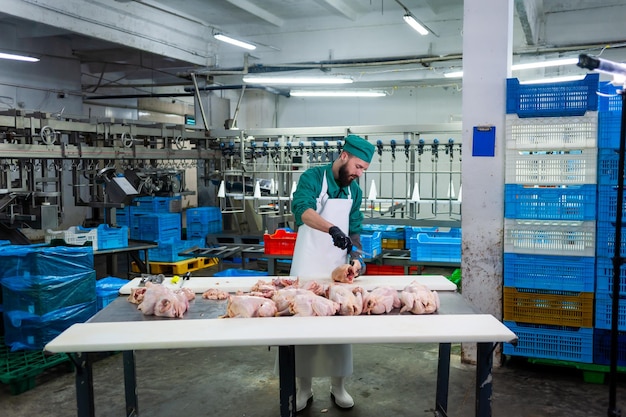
(484, 141)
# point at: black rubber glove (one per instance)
(339, 238)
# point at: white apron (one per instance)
(315, 256)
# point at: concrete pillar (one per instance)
(487, 55)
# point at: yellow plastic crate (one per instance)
(561, 308)
(180, 267)
(392, 243)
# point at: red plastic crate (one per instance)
(375, 269)
(281, 242)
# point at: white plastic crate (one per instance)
(543, 237)
(551, 167)
(74, 235)
(541, 133)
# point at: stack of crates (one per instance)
(392, 237)
(44, 291)
(202, 221)
(434, 244)
(609, 125)
(550, 211)
(152, 218)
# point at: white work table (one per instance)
(234, 284)
(121, 327)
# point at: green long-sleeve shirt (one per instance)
(309, 188)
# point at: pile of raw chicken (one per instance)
(159, 300)
(286, 296)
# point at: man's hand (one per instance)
(339, 238)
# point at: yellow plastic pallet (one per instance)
(180, 267)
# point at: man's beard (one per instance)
(344, 178)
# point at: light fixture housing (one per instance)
(563, 78)
(526, 65)
(233, 41)
(16, 57)
(337, 93)
(415, 24)
(295, 80)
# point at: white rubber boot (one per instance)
(304, 392)
(339, 394)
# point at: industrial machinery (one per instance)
(55, 170)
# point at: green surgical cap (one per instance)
(359, 147)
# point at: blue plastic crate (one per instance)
(387, 231)
(112, 237)
(605, 244)
(604, 311)
(608, 99)
(372, 244)
(572, 98)
(157, 235)
(233, 272)
(203, 214)
(107, 290)
(604, 277)
(435, 231)
(574, 202)
(609, 127)
(607, 204)
(153, 222)
(197, 229)
(551, 342)
(435, 249)
(602, 347)
(168, 250)
(568, 273)
(151, 204)
(608, 161)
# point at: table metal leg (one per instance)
(84, 386)
(443, 380)
(130, 383)
(484, 379)
(287, 380)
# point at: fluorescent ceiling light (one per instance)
(528, 65)
(295, 80)
(232, 41)
(412, 21)
(555, 79)
(544, 64)
(336, 93)
(15, 57)
(454, 74)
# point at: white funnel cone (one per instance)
(257, 190)
(459, 198)
(416, 193)
(221, 192)
(373, 194)
(451, 190)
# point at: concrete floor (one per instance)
(388, 380)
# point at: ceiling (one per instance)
(149, 43)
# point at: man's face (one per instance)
(351, 169)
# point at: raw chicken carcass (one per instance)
(215, 294)
(350, 299)
(245, 306)
(136, 295)
(310, 304)
(171, 304)
(344, 273)
(381, 300)
(163, 301)
(316, 287)
(418, 299)
(284, 297)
